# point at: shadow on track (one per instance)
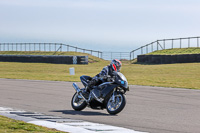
(86, 113)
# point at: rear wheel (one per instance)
(78, 102)
(116, 104)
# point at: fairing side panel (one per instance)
(108, 89)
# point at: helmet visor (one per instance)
(118, 66)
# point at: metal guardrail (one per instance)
(57, 59)
(165, 44)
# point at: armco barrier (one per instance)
(168, 59)
(45, 59)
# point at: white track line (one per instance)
(62, 124)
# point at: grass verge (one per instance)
(176, 51)
(185, 75)
(8, 125)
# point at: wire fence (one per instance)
(60, 47)
(165, 44)
(116, 55)
(153, 46)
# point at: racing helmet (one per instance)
(116, 65)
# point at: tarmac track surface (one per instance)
(150, 109)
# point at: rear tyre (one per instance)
(77, 102)
(116, 106)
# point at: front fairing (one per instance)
(121, 80)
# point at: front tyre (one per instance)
(116, 104)
(78, 103)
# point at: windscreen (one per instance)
(122, 76)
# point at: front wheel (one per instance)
(116, 104)
(78, 102)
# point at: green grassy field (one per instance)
(186, 75)
(176, 51)
(8, 125)
(168, 75)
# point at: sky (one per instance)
(105, 25)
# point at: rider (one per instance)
(103, 76)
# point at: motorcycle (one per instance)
(111, 94)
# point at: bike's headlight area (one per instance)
(123, 83)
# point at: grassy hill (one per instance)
(176, 51)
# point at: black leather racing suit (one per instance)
(102, 76)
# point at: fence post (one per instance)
(197, 41)
(49, 47)
(61, 47)
(164, 43)
(172, 43)
(180, 43)
(188, 42)
(147, 49)
(8, 46)
(141, 50)
(157, 45)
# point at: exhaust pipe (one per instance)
(78, 90)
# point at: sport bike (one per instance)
(111, 94)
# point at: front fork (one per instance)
(113, 95)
